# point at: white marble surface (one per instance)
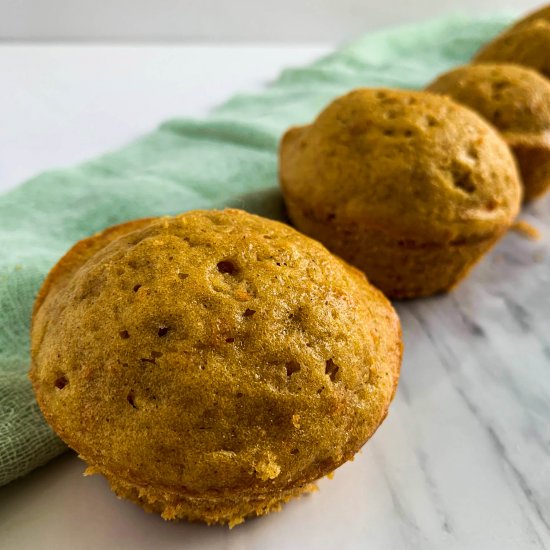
(463, 460)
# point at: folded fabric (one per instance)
(229, 158)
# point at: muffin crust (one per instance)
(527, 43)
(214, 364)
(408, 186)
(516, 101)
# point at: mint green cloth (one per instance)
(229, 158)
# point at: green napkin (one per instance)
(229, 158)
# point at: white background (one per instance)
(225, 20)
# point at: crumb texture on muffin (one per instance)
(541, 15)
(411, 160)
(527, 42)
(396, 181)
(213, 357)
(516, 100)
(513, 98)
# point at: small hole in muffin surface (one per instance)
(249, 312)
(491, 205)
(227, 266)
(153, 359)
(292, 367)
(124, 334)
(163, 331)
(472, 152)
(431, 121)
(294, 451)
(61, 382)
(183, 276)
(463, 180)
(230, 340)
(136, 287)
(130, 398)
(500, 85)
(331, 369)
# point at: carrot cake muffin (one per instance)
(516, 100)
(527, 43)
(214, 364)
(537, 15)
(410, 187)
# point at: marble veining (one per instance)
(463, 460)
(487, 346)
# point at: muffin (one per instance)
(540, 14)
(214, 364)
(410, 187)
(515, 100)
(525, 43)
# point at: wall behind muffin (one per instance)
(222, 20)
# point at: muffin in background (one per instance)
(542, 14)
(516, 100)
(212, 365)
(527, 43)
(410, 187)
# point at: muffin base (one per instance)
(401, 268)
(223, 509)
(534, 167)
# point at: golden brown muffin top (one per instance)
(408, 162)
(527, 43)
(515, 99)
(542, 14)
(212, 351)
